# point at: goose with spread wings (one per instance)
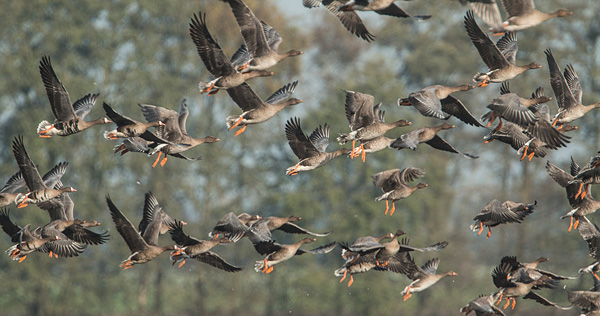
(500, 57)
(174, 131)
(226, 76)
(310, 150)
(255, 110)
(69, 117)
(263, 54)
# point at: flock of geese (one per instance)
(526, 124)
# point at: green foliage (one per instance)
(140, 52)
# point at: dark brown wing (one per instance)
(171, 130)
(230, 224)
(134, 241)
(319, 250)
(179, 237)
(85, 236)
(292, 228)
(28, 169)
(209, 50)
(120, 120)
(488, 51)
(438, 143)
(456, 108)
(300, 144)
(350, 19)
(359, 109)
(251, 28)
(10, 228)
(216, 261)
(544, 301)
(57, 94)
(245, 97)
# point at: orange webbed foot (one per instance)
(157, 159)
(387, 208)
(181, 264)
(576, 224)
(236, 123)
(351, 280)
(22, 258)
(241, 130)
(480, 229)
(393, 208)
(570, 225)
(207, 89)
(489, 233)
(269, 270)
(163, 161)
(344, 276)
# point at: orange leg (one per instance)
(492, 119)
(480, 228)
(181, 264)
(407, 295)
(50, 254)
(120, 148)
(579, 191)
(585, 191)
(507, 303)
(129, 267)
(164, 161)
(45, 136)
(126, 263)
(595, 275)
(484, 83)
(236, 123)
(351, 280)
(352, 155)
(213, 92)
(241, 130)
(386, 207)
(293, 172)
(157, 159)
(513, 303)
(208, 88)
(178, 252)
(489, 232)
(499, 34)
(216, 236)
(571, 224)
(576, 223)
(266, 266)
(531, 155)
(240, 68)
(363, 153)
(23, 203)
(524, 152)
(269, 270)
(46, 130)
(22, 258)
(393, 208)
(500, 298)
(344, 276)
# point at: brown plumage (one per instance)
(38, 191)
(394, 184)
(310, 150)
(499, 58)
(226, 76)
(69, 117)
(174, 130)
(197, 249)
(142, 251)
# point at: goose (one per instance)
(226, 76)
(69, 117)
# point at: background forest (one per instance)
(141, 52)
